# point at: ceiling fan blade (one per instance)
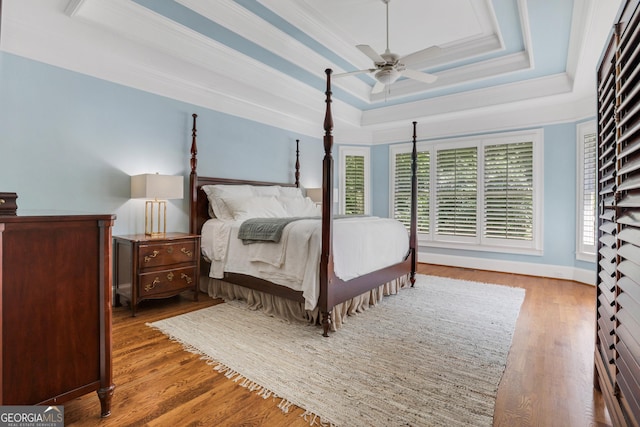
(368, 50)
(353, 73)
(421, 55)
(419, 75)
(378, 87)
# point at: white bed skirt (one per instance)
(295, 311)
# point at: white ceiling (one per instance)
(504, 64)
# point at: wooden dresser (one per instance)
(617, 353)
(55, 282)
(155, 267)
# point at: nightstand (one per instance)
(148, 267)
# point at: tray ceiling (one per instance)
(502, 64)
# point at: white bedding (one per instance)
(360, 245)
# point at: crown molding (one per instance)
(123, 42)
(524, 114)
(469, 101)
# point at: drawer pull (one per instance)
(186, 251)
(186, 278)
(152, 285)
(170, 276)
(2, 202)
(148, 258)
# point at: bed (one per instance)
(344, 279)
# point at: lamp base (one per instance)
(155, 218)
(156, 235)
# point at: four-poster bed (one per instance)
(333, 291)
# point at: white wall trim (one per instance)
(527, 268)
(119, 41)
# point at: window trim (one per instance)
(479, 242)
(343, 152)
(582, 250)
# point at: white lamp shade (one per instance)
(155, 186)
(315, 194)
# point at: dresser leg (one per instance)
(105, 394)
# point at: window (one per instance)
(402, 189)
(508, 191)
(586, 191)
(354, 186)
(457, 191)
(482, 193)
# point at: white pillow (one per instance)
(266, 190)
(300, 206)
(291, 192)
(242, 208)
(215, 194)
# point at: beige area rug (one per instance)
(433, 355)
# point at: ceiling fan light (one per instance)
(387, 76)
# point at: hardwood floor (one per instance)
(548, 380)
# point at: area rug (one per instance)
(433, 355)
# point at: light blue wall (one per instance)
(69, 142)
(559, 221)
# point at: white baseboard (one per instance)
(527, 268)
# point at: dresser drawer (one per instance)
(158, 283)
(162, 254)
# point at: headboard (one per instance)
(198, 201)
(200, 214)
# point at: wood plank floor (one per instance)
(548, 380)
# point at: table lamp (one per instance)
(157, 189)
(315, 194)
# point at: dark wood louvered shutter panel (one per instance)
(617, 355)
(606, 212)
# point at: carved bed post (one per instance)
(297, 174)
(326, 257)
(193, 178)
(413, 232)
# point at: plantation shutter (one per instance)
(402, 190)
(589, 192)
(457, 191)
(354, 185)
(508, 191)
(617, 345)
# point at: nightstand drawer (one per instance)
(161, 254)
(158, 283)
(155, 267)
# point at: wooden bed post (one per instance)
(413, 232)
(297, 174)
(326, 256)
(333, 290)
(193, 178)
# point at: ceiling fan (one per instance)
(389, 67)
